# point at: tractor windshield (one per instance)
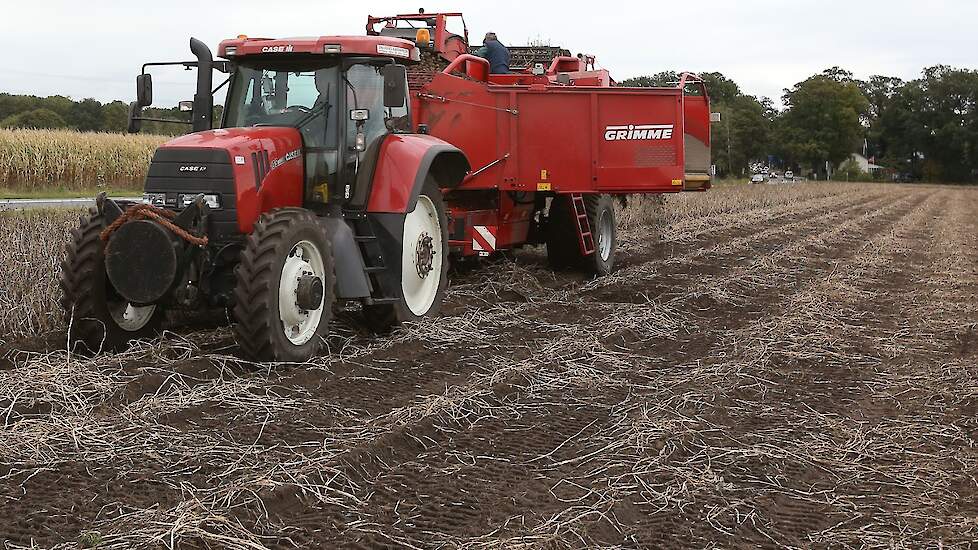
(301, 94)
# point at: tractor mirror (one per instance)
(186, 106)
(135, 111)
(144, 90)
(395, 85)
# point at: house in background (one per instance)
(867, 165)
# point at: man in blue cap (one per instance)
(493, 51)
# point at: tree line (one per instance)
(86, 115)
(923, 129)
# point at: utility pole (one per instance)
(729, 160)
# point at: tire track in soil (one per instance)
(571, 425)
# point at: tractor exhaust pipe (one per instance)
(204, 98)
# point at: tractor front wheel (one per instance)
(284, 293)
(98, 319)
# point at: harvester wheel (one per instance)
(424, 264)
(563, 246)
(284, 293)
(604, 228)
(98, 319)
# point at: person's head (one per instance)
(490, 36)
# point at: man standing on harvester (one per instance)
(493, 51)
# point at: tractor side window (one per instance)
(365, 90)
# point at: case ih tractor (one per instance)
(331, 180)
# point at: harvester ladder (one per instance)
(585, 237)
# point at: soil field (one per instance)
(798, 369)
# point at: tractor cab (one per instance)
(324, 99)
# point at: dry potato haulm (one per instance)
(770, 365)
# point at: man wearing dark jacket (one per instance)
(495, 53)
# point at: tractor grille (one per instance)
(182, 171)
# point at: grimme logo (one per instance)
(277, 49)
(638, 132)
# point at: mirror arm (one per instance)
(151, 119)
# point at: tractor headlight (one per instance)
(156, 199)
(213, 201)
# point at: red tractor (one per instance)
(332, 181)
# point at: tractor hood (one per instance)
(253, 169)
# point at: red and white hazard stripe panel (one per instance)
(484, 238)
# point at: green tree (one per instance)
(38, 118)
(658, 80)
(823, 119)
(115, 117)
(86, 116)
(881, 93)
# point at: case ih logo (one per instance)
(277, 49)
(638, 132)
(193, 168)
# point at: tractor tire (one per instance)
(285, 288)
(563, 247)
(424, 264)
(97, 318)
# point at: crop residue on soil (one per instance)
(770, 366)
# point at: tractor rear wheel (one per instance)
(284, 292)
(424, 264)
(98, 319)
(563, 244)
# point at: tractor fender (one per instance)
(404, 162)
(351, 279)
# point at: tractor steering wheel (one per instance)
(297, 108)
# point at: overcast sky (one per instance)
(94, 48)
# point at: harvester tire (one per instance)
(286, 270)
(604, 228)
(563, 246)
(97, 318)
(420, 295)
(563, 250)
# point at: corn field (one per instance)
(36, 160)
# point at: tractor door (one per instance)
(367, 124)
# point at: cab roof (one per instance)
(374, 46)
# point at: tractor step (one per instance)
(373, 257)
(585, 237)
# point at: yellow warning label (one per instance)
(544, 175)
(677, 182)
(543, 186)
